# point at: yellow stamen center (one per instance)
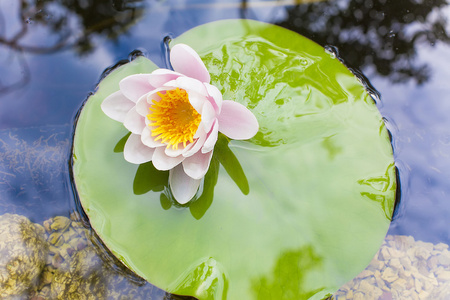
(174, 119)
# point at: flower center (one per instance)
(174, 118)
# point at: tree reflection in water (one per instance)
(72, 23)
(62, 25)
(382, 34)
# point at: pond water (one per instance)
(52, 54)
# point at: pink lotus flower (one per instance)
(174, 118)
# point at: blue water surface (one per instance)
(52, 55)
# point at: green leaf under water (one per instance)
(293, 213)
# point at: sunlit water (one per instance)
(49, 69)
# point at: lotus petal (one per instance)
(236, 121)
(185, 60)
(135, 86)
(116, 106)
(135, 152)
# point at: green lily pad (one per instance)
(293, 213)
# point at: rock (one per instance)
(60, 223)
(375, 265)
(395, 253)
(403, 243)
(359, 296)
(441, 247)
(440, 292)
(379, 281)
(404, 269)
(23, 254)
(350, 294)
(384, 254)
(395, 263)
(406, 263)
(81, 277)
(418, 285)
(443, 276)
(422, 253)
(77, 271)
(389, 275)
(399, 284)
(444, 260)
(371, 291)
(433, 262)
(432, 279)
(386, 296)
(423, 295)
(365, 273)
